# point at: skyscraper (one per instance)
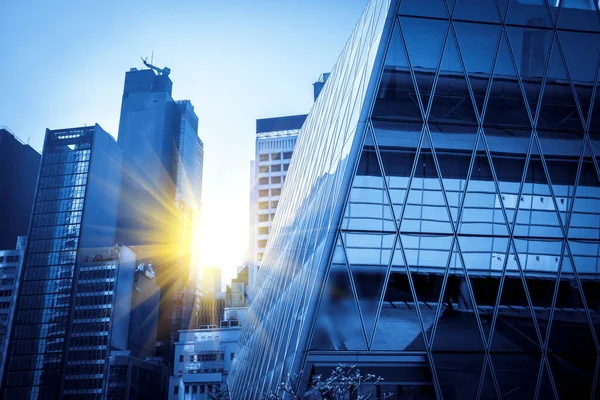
(160, 194)
(440, 222)
(76, 207)
(19, 164)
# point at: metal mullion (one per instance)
(442, 292)
(595, 381)
(467, 80)
(436, 76)
(471, 295)
(436, 381)
(440, 181)
(467, 181)
(413, 291)
(354, 292)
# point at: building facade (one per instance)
(75, 208)
(440, 222)
(20, 164)
(203, 360)
(11, 262)
(130, 378)
(160, 194)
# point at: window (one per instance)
(262, 244)
(274, 204)
(263, 170)
(287, 155)
(176, 390)
(260, 256)
(263, 205)
(275, 168)
(276, 156)
(263, 230)
(276, 192)
(263, 193)
(286, 167)
(263, 157)
(276, 180)
(202, 389)
(1, 259)
(10, 259)
(194, 389)
(272, 216)
(263, 217)
(231, 356)
(181, 358)
(263, 181)
(186, 389)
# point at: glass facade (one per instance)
(50, 302)
(440, 224)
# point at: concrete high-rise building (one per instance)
(275, 142)
(76, 207)
(11, 262)
(440, 220)
(19, 164)
(160, 194)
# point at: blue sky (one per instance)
(63, 62)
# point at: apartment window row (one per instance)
(263, 230)
(265, 192)
(265, 169)
(265, 217)
(263, 205)
(6, 293)
(287, 155)
(275, 180)
(11, 259)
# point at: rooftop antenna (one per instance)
(160, 71)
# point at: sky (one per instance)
(63, 64)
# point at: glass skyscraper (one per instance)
(440, 223)
(161, 189)
(75, 207)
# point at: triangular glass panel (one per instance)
(585, 216)
(459, 375)
(481, 10)
(397, 143)
(424, 42)
(369, 255)
(368, 206)
(537, 215)
(398, 326)
(457, 328)
(571, 339)
(528, 13)
(540, 259)
(396, 96)
(478, 44)
(581, 52)
(485, 272)
(558, 108)
(594, 117)
(545, 390)
(517, 374)
(434, 8)
(572, 382)
(488, 389)
(482, 208)
(561, 152)
(505, 105)
(453, 147)
(514, 327)
(451, 5)
(452, 101)
(578, 15)
(427, 258)
(338, 325)
(507, 149)
(531, 49)
(426, 210)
